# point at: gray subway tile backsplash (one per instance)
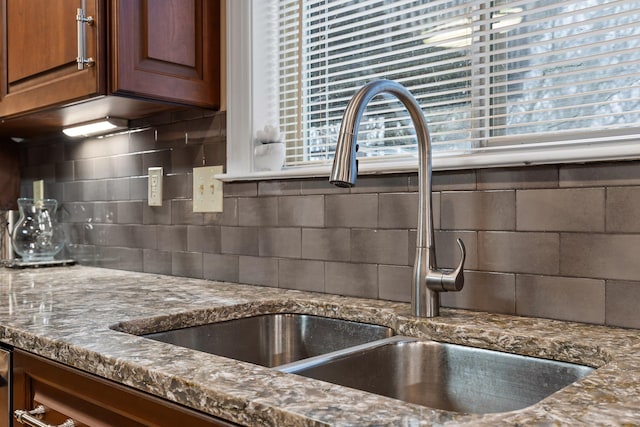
(105, 213)
(600, 174)
(351, 210)
(184, 158)
(221, 267)
(381, 184)
(118, 189)
(400, 210)
(478, 210)
(143, 236)
(358, 280)
(176, 186)
(513, 252)
(156, 214)
(394, 282)
(78, 212)
(85, 169)
(380, 246)
(279, 188)
(604, 256)
(332, 244)
(172, 237)
(119, 258)
(517, 178)
(64, 171)
(129, 212)
(449, 180)
(154, 159)
(447, 251)
(187, 264)
(182, 213)
(301, 211)
(623, 210)
(493, 292)
(321, 186)
(565, 298)
(138, 187)
(300, 274)
(258, 270)
(239, 240)
(228, 216)
(155, 261)
(578, 209)
(241, 189)
(280, 242)
(622, 302)
(556, 241)
(205, 239)
(257, 211)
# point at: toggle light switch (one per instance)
(207, 191)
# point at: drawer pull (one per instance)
(27, 418)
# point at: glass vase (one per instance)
(37, 235)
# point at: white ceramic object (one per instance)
(269, 157)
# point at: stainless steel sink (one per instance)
(444, 376)
(369, 358)
(274, 339)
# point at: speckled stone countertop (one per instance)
(68, 314)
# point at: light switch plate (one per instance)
(207, 191)
(154, 197)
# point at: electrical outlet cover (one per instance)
(207, 191)
(154, 197)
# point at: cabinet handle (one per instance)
(27, 418)
(83, 20)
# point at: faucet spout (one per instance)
(428, 280)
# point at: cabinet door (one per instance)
(92, 401)
(39, 51)
(167, 50)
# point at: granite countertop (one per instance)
(67, 314)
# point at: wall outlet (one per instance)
(207, 191)
(154, 197)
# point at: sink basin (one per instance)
(274, 339)
(443, 376)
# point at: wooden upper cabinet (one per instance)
(39, 56)
(153, 52)
(161, 50)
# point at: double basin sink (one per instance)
(371, 358)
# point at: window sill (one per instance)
(512, 157)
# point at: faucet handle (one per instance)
(452, 281)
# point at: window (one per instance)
(500, 82)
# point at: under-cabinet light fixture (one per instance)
(96, 127)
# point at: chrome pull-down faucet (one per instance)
(428, 280)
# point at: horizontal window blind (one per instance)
(488, 75)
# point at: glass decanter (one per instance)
(37, 235)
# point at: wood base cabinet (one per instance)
(67, 393)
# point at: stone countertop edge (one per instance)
(86, 317)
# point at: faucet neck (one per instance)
(345, 166)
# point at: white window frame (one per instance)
(248, 110)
